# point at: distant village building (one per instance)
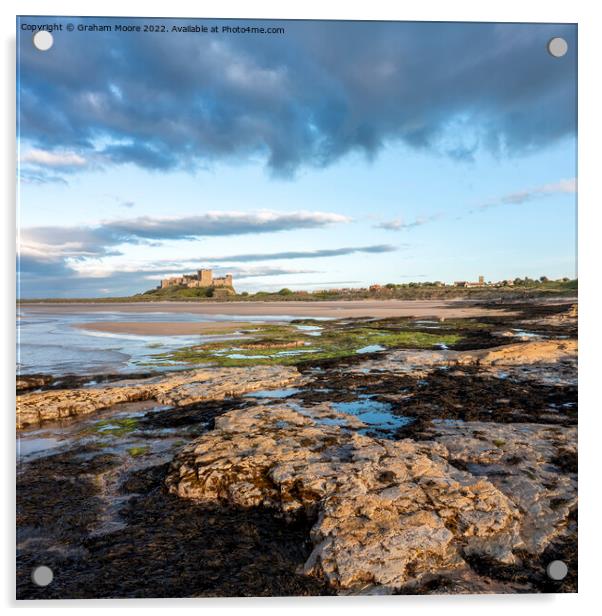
(467, 285)
(202, 279)
(481, 283)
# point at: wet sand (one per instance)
(326, 309)
(174, 328)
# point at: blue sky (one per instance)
(335, 154)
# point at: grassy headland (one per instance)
(521, 289)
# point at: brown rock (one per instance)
(386, 512)
(541, 360)
(522, 353)
(522, 461)
(174, 389)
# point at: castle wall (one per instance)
(203, 278)
(226, 281)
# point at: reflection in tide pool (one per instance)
(373, 413)
(26, 447)
(273, 393)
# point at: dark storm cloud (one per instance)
(305, 98)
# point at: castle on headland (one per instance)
(202, 279)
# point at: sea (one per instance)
(52, 343)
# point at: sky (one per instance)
(330, 154)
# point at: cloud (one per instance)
(43, 158)
(301, 254)
(399, 225)
(153, 272)
(37, 166)
(261, 272)
(88, 241)
(28, 176)
(218, 224)
(119, 201)
(568, 186)
(306, 285)
(304, 99)
(54, 255)
(60, 278)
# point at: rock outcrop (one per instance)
(546, 361)
(522, 353)
(534, 465)
(173, 389)
(385, 512)
(567, 318)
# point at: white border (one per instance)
(587, 15)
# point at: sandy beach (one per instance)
(174, 328)
(326, 309)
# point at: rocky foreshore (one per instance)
(174, 389)
(385, 513)
(402, 470)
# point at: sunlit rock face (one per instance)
(533, 464)
(385, 512)
(175, 389)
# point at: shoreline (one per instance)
(323, 309)
(168, 328)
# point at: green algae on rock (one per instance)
(292, 345)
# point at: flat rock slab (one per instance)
(527, 462)
(553, 361)
(386, 513)
(174, 389)
(522, 353)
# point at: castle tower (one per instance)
(205, 277)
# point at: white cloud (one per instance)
(567, 186)
(44, 158)
(398, 224)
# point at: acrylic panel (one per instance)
(297, 307)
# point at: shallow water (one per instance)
(376, 416)
(310, 330)
(29, 446)
(274, 393)
(371, 348)
(54, 344)
(373, 413)
(523, 333)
